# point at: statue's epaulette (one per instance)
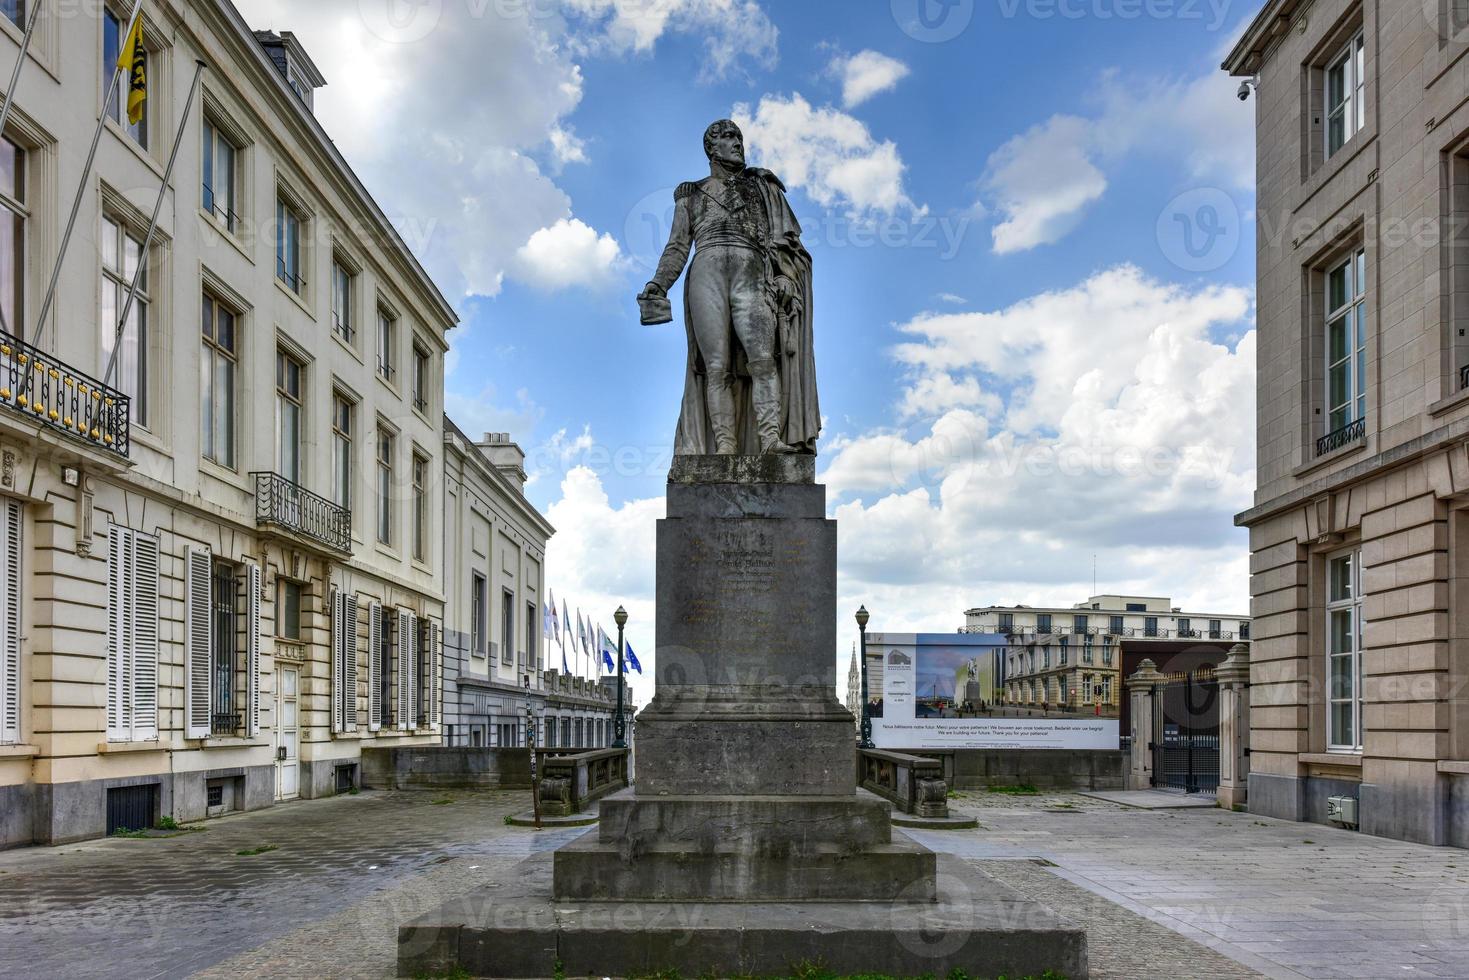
(685, 190)
(762, 172)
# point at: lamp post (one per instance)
(866, 742)
(530, 743)
(619, 724)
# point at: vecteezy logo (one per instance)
(933, 21)
(400, 21)
(647, 228)
(1199, 230)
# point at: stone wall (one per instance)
(1061, 769)
(440, 766)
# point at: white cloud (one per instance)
(568, 253)
(865, 74)
(826, 152)
(1042, 181)
(734, 31)
(953, 299)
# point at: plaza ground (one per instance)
(316, 889)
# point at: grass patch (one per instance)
(1019, 789)
(457, 973)
(125, 832)
(509, 820)
(262, 849)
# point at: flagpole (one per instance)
(25, 43)
(127, 306)
(76, 204)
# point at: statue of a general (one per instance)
(750, 385)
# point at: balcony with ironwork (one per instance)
(1345, 436)
(287, 505)
(48, 392)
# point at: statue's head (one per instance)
(724, 142)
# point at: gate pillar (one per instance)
(1140, 690)
(1234, 726)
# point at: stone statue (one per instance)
(750, 384)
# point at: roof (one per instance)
(1264, 32)
(491, 472)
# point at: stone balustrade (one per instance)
(572, 781)
(913, 783)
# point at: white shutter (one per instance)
(407, 672)
(252, 651)
(374, 686)
(10, 553)
(339, 664)
(197, 641)
(432, 693)
(143, 611)
(118, 724)
(349, 662)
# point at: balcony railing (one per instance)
(1345, 436)
(289, 505)
(36, 385)
(224, 722)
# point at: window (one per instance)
(13, 215)
(1007, 622)
(343, 315)
(382, 681)
(1343, 646)
(121, 254)
(288, 265)
(1043, 623)
(385, 440)
(420, 378)
(1078, 625)
(507, 627)
(478, 628)
(532, 654)
(1216, 629)
(114, 33)
(1244, 631)
(288, 415)
(1114, 625)
(217, 360)
(288, 609)
(1185, 630)
(342, 411)
(1346, 105)
(1150, 626)
(1346, 350)
(15, 10)
(1136, 607)
(387, 330)
(132, 635)
(12, 515)
(223, 701)
(420, 507)
(221, 176)
(1106, 654)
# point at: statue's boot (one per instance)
(722, 416)
(765, 393)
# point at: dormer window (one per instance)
(293, 64)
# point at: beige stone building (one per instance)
(1359, 531)
(221, 573)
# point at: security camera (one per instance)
(1246, 86)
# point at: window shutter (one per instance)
(143, 610)
(339, 664)
(349, 658)
(118, 724)
(431, 693)
(252, 652)
(10, 624)
(374, 649)
(407, 693)
(197, 641)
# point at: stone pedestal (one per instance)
(1234, 727)
(1140, 688)
(744, 847)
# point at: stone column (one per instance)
(1140, 689)
(1234, 726)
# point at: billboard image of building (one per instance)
(946, 690)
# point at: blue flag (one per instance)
(630, 658)
(605, 644)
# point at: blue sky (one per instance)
(1033, 254)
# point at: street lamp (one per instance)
(530, 743)
(619, 724)
(866, 742)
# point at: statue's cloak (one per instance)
(795, 357)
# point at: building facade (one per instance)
(1115, 616)
(854, 691)
(221, 568)
(1065, 673)
(1359, 532)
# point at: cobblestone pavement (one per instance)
(1286, 900)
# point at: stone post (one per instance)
(1234, 726)
(1140, 689)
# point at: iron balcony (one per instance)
(45, 390)
(283, 503)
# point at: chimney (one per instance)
(504, 455)
(292, 62)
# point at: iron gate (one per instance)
(1186, 732)
(131, 808)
